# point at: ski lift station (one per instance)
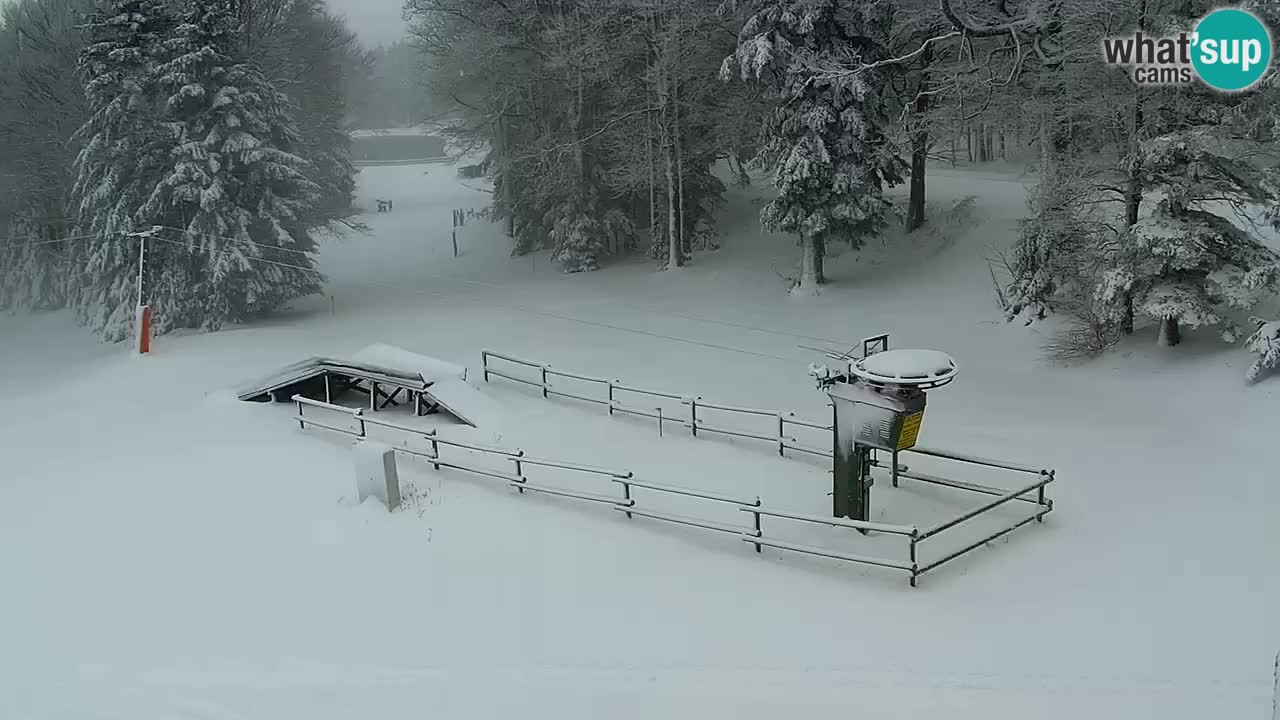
(895, 504)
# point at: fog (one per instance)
(375, 22)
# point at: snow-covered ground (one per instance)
(167, 551)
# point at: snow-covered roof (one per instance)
(906, 366)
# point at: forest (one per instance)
(611, 128)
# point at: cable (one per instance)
(25, 241)
(246, 257)
(243, 241)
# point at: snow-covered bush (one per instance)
(1265, 341)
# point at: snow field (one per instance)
(167, 551)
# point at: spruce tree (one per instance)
(237, 200)
(117, 69)
(825, 137)
(1184, 265)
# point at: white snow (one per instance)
(907, 364)
(167, 551)
(431, 369)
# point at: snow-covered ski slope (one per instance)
(167, 551)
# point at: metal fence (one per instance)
(694, 414)
(631, 489)
(1033, 493)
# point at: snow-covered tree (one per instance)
(117, 69)
(825, 136)
(1184, 265)
(1265, 341)
(43, 107)
(235, 201)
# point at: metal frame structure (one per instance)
(1033, 493)
(627, 503)
(782, 421)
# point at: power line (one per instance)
(246, 257)
(26, 242)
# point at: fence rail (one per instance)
(754, 534)
(780, 434)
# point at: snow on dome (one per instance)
(907, 364)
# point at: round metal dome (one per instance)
(906, 368)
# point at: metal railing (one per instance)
(693, 417)
(517, 458)
(629, 484)
(780, 438)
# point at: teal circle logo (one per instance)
(1231, 50)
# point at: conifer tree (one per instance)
(1184, 265)
(825, 137)
(117, 69)
(237, 200)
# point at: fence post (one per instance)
(693, 415)
(519, 470)
(360, 416)
(1040, 502)
(659, 422)
(756, 523)
(484, 365)
(610, 384)
(544, 381)
(915, 569)
(782, 432)
(435, 449)
(301, 423)
(626, 495)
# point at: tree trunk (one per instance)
(1004, 155)
(919, 145)
(968, 142)
(812, 250)
(676, 139)
(1170, 333)
(675, 257)
(1133, 184)
(508, 186)
(653, 176)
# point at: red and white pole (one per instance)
(142, 316)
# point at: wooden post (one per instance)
(659, 422)
(610, 384)
(626, 495)
(693, 416)
(544, 381)
(328, 391)
(782, 432)
(519, 472)
(301, 423)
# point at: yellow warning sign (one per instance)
(910, 430)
